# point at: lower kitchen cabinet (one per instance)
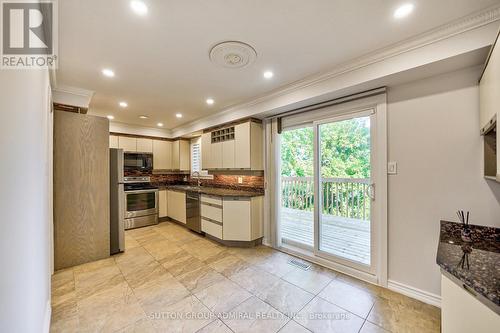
(232, 218)
(462, 312)
(162, 204)
(242, 219)
(176, 206)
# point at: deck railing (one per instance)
(345, 197)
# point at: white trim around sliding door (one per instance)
(379, 104)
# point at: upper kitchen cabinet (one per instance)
(180, 155)
(162, 155)
(234, 147)
(206, 151)
(113, 141)
(144, 145)
(489, 87)
(127, 143)
(489, 106)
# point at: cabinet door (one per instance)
(127, 144)
(236, 214)
(462, 312)
(176, 155)
(113, 141)
(177, 205)
(242, 142)
(489, 86)
(162, 154)
(205, 151)
(216, 155)
(144, 145)
(162, 203)
(228, 154)
(184, 155)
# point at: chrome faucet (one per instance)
(197, 174)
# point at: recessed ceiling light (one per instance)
(139, 7)
(178, 115)
(143, 117)
(160, 124)
(404, 10)
(210, 101)
(123, 104)
(110, 117)
(108, 72)
(268, 74)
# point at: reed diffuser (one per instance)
(466, 232)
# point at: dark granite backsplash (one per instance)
(250, 183)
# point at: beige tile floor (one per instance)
(171, 280)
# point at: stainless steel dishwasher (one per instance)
(193, 218)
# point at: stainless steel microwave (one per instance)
(138, 161)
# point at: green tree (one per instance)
(345, 150)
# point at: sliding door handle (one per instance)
(370, 191)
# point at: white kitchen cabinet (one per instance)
(228, 154)
(464, 313)
(211, 215)
(242, 152)
(162, 204)
(216, 155)
(181, 156)
(248, 139)
(242, 219)
(113, 141)
(176, 206)
(144, 145)
(206, 152)
(489, 116)
(489, 87)
(162, 155)
(127, 143)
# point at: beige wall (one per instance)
(433, 134)
(25, 201)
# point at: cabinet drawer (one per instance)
(213, 213)
(211, 200)
(211, 228)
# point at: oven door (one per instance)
(141, 203)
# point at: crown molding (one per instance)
(457, 27)
(72, 96)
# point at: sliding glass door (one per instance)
(297, 187)
(327, 189)
(344, 176)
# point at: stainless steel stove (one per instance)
(141, 202)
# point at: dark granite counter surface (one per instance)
(475, 263)
(217, 191)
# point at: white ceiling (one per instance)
(161, 60)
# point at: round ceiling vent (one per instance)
(233, 54)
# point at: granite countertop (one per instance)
(476, 263)
(217, 191)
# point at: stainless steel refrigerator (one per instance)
(117, 201)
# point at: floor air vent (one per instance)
(300, 264)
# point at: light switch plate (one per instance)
(240, 180)
(392, 168)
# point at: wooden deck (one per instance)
(344, 237)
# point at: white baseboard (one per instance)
(415, 293)
(46, 320)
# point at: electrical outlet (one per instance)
(240, 180)
(392, 168)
